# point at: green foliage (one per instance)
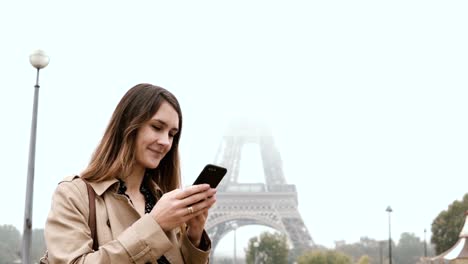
(324, 257)
(38, 247)
(9, 244)
(371, 248)
(267, 248)
(364, 260)
(447, 225)
(410, 249)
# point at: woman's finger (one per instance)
(187, 217)
(191, 190)
(201, 206)
(196, 198)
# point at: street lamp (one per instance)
(380, 251)
(256, 244)
(38, 60)
(234, 226)
(389, 210)
(259, 256)
(425, 244)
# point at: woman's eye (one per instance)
(156, 128)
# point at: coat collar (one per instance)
(101, 187)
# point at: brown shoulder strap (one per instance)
(92, 215)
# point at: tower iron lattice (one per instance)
(272, 203)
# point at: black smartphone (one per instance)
(211, 174)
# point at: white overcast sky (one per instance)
(366, 99)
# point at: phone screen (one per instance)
(211, 174)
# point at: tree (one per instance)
(410, 249)
(267, 248)
(447, 225)
(38, 247)
(364, 260)
(9, 244)
(365, 247)
(324, 257)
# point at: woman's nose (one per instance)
(163, 140)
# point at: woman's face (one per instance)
(154, 138)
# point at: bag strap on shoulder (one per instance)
(91, 221)
(92, 215)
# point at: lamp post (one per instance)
(234, 226)
(260, 256)
(256, 244)
(38, 60)
(389, 210)
(380, 251)
(425, 244)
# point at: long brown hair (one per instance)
(115, 155)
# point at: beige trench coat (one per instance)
(123, 235)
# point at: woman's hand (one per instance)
(196, 226)
(172, 210)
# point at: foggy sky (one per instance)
(366, 99)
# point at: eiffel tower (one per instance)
(273, 203)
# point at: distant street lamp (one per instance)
(425, 244)
(380, 251)
(259, 257)
(38, 60)
(389, 210)
(256, 244)
(234, 226)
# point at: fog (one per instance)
(366, 99)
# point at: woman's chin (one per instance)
(152, 164)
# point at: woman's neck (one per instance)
(134, 180)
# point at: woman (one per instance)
(142, 215)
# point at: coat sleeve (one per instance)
(192, 254)
(68, 237)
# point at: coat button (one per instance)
(108, 223)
